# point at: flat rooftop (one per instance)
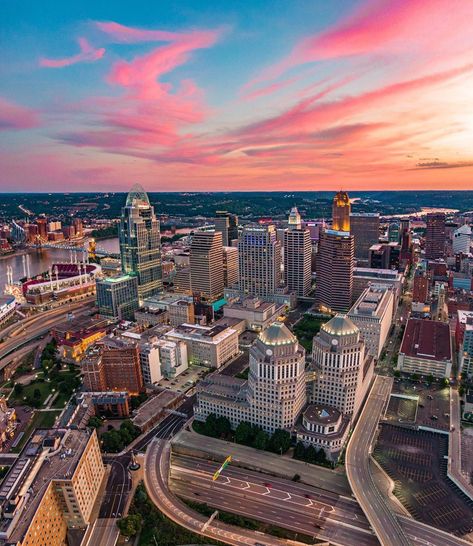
(50, 454)
(427, 339)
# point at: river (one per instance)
(41, 259)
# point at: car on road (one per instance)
(434, 417)
(268, 485)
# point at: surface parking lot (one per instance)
(433, 405)
(416, 461)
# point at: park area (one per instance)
(306, 328)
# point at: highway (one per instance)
(31, 328)
(383, 521)
(156, 481)
(300, 507)
(303, 509)
(454, 446)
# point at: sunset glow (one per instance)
(266, 96)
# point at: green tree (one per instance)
(430, 379)
(461, 390)
(95, 422)
(311, 454)
(130, 525)
(299, 451)
(211, 426)
(18, 389)
(37, 394)
(112, 441)
(397, 374)
(280, 441)
(223, 426)
(243, 433)
(261, 440)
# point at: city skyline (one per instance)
(294, 96)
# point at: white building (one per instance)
(343, 373)
(210, 346)
(257, 314)
(343, 370)
(461, 240)
(173, 357)
(274, 395)
(297, 256)
(150, 363)
(373, 314)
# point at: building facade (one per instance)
(206, 265)
(230, 266)
(364, 226)
(461, 240)
(117, 297)
(274, 395)
(435, 236)
(227, 224)
(140, 243)
(297, 256)
(426, 349)
(334, 267)
(259, 254)
(206, 345)
(373, 313)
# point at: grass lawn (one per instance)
(40, 419)
(45, 388)
(243, 374)
(306, 329)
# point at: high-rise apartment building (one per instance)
(341, 208)
(364, 226)
(230, 266)
(227, 224)
(206, 264)
(435, 236)
(140, 242)
(297, 256)
(274, 395)
(334, 271)
(117, 297)
(259, 254)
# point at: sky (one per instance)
(221, 96)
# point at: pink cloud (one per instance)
(87, 54)
(385, 27)
(131, 35)
(14, 116)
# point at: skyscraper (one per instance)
(274, 394)
(117, 297)
(206, 264)
(259, 254)
(297, 256)
(230, 265)
(364, 226)
(334, 271)
(227, 224)
(435, 236)
(338, 356)
(140, 242)
(341, 212)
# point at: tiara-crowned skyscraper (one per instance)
(140, 242)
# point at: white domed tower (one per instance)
(276, 382)
(338, 359)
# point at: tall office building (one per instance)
(274, 394)
(334, 271)
(394, 232)
(206, 264)
(259, 254)
(338, 356)
(461, 240)
(230, 265)
(297, 256)
(364, 226)
(42, 224)
(117, 297)
(140, 242)
(227, 224)
(341, 208)
(435, 236)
